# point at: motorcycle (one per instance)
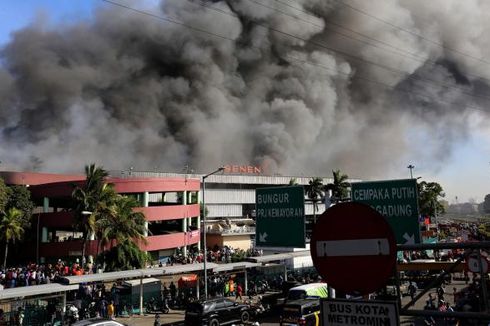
(71, 314)
(153, 305)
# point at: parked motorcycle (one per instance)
(154, 305)
(71, 314)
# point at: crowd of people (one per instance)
(216, 254)
(34, 274)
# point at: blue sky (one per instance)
(14, 13)
(465, 175)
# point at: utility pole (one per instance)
(411, 167)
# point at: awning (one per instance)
(137, 273)
(235, 266)
(279, 257)
(35, 290)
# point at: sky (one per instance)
(463, 171)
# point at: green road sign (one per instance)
(397, 201)
(280, 217)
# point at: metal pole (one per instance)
(63, 309)
(246, 282)
(197, 288)
(204, 237)
(204, 228)
(37, 238)
(141, 296)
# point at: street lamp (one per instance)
(411, 167)
(85, 213)
(204, 225)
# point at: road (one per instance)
(176, 317)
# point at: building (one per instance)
(170, 205)
(230, 204)
(170, 202)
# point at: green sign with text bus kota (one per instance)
(280, 217)
(397, 201)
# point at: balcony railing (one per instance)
(235, 230)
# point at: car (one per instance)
(98, 322)
(312, 290)
(217, 312)
(301, 312)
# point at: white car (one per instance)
(98, 322)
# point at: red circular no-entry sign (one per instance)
(353, 248)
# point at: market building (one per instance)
(170, 202)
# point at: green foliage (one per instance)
(126, 255)
(339, 186)
(314, 191)
(11, 229)
(486, 204)
(92, 199)
(20, 198)
(429, 194)
(120, 223)
(293, 182)
(4, 196)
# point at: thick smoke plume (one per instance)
(302, 87)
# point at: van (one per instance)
(308, 291)
(303, 312)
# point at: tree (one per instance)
(429, 194)
(20, 197)
(293, 182)
(121, 223)
(11, 229)
(486, 204)
(339, 186)
(4, 196)
(92, 200)
(314, 191)
(126, 255)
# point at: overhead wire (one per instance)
(445, 47)
(396, 50)
(204, 31)
(394, 70)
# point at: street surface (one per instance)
(176, 317)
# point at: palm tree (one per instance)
(339, 186)
(121, 224)
(126, 255)
(293, 182)
(314, 191)
(91, 200)
(11, 229)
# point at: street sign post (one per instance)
(336, 312)
(397, 201)
(280, 217)
(353, 248)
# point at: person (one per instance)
(239, 291)
(412, 290)
(110, 310)
(19, 317)
(157, 320)
(440, 293)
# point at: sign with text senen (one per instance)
(338, 312)
(397, 201)
(280, 217)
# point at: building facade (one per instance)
(170, 205)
